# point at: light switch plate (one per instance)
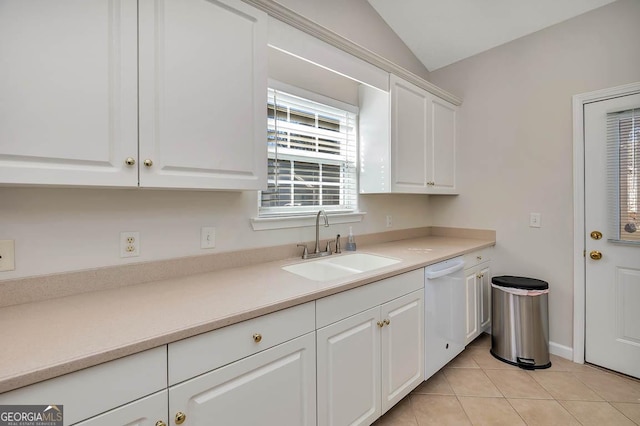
(534, 220)
(7, 255)
(208, 238)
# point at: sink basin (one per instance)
(340, 266)
(361, 261)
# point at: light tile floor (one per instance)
(477, 389)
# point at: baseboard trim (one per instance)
(561, 350)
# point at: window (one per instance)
(311, 156)
(623, 164)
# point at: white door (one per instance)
(402, 347)
(68, 92)
(484, 286)
(410, 136)
(273, 387)
(612, 329)
(471, 291)
(203, 94)
(441, 163)
(349, 370)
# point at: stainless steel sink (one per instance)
(340, 266)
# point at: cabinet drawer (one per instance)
(477, 257)
(147, 411)
(94, 390)
(199, 354)
(338, 306)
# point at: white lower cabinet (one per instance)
(367, 362)
(349, 370)
(273, 387)
(402, 347)
(478, 295)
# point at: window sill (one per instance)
(266, 223)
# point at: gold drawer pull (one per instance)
(257, 337)
(180, 417)
(387, 321)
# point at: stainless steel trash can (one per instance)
(520, 321)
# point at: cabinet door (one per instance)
(410, 136)
(402, 347)
(203, 94)
(442, 162)
(471, 288)
(68, 92)
(349, 370)
(485, 297)
(143, 412)
(273, 387)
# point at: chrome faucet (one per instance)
(326, 224)
(316, 251)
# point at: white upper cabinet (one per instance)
(68, 92)
(408, 140)
(155, 93)
(442, 161)
(203, 94)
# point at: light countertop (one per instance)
(52, 337)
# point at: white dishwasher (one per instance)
(445, 313)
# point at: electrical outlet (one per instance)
(7, 255)
(534, 220)
(208, 238)
(389, 221)
(129, 244)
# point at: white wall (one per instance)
(515, 153)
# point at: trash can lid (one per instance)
(520, 282)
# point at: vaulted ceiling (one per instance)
(440, 32)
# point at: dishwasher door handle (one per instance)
(432, 275)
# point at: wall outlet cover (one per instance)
(129, 244)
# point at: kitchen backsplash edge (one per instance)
(38, 288)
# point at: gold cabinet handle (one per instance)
(160, 423)
(130, 161)
(387, 321)
(257, 337)
(180, 417)
(148, 162)
(380, 324)
(595, 255)
(596, 235)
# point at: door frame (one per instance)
(579, 243)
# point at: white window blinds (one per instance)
(623, 175)
(311, 157)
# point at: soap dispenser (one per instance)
(351, 242)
